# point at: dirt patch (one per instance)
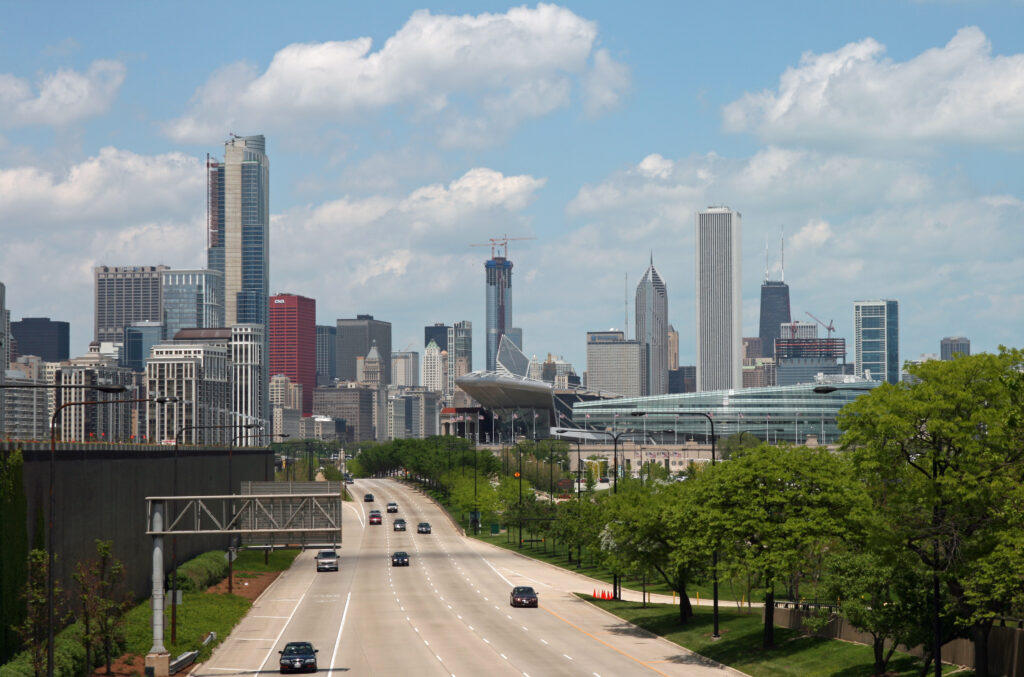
(246, 584)
(125, 666)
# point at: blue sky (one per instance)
(884, 138)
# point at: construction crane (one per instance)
(828, 327)
(495, 242)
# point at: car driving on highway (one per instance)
(327, 560)
(400, 559)
(375, 517)
(368, 498)
(392, 506)
(523, 595)
(423, 528)
(399, 524)
(298, 657)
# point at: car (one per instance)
(603, 480)
(523, 595)
(349, 480)
(368, 498)
(392, 506)
(375, 517)
(327, 560)
(423, 528)
(298, 657)
(399, 524)
(400, 559)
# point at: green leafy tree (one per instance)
(103, 606)
(33, 629)
(735, 443)
(943, 458)
(770, 508)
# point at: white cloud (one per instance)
(655, 166)
(501, 69)
(813, 235)
(60, 98)
(114, 188)
(958, 93)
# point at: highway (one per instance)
(447, 613)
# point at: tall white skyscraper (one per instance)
(434, 376)
(652, 331)
(719, 251)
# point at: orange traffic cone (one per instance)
(595, 593)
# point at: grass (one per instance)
(739, 647)
(201, 612)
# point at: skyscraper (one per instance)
(293, 343)
(498, 270)
(405, 369)
(126, 294)
(652, 331)
(673, 349)
(238, 198)
(326, 354)
(876, 340)
(774, 312)
(719, 299)
(460, 352)
(434, 367)
(438, 333)
(950, 346)
(613, 363)
(192, 299)
(355, 336)
(43, 337)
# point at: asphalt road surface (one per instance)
(447, 613)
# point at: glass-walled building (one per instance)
(192, 299)
(876, 340)
(774, 414)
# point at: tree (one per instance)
(943, 458)
(771, 508)
(736, 442)
(33, 629)
(102, 606)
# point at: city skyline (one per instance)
(611, 155)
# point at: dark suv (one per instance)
(423, 528)
(400, 559)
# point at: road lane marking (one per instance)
(497, 572)
(337, 641)
(544, 640)
(268, 617)
(567, 656)
(284, 626)
(598, 639)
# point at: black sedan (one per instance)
(523, 595)
(298, 657)
(400, 559)
(368, 498)
(423, 528)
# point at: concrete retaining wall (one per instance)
(100, 492)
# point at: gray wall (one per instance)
(100, 493)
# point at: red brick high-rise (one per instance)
(293, 343)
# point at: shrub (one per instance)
(196, 575)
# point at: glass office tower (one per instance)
(876, 340)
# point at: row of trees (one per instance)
(914, 529)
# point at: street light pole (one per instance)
(51, 621)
